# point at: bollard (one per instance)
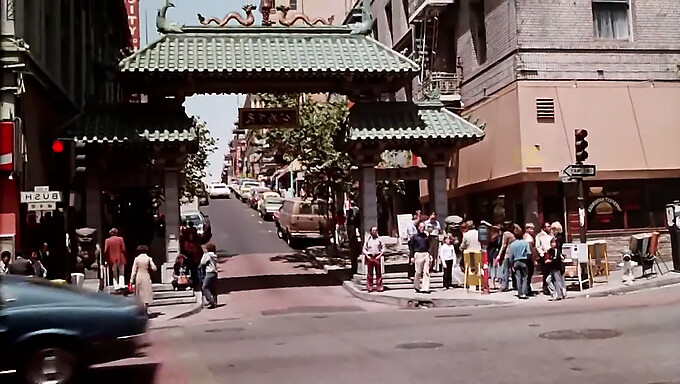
(485, 279)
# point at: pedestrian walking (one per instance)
(5, 259)
(39, 269)
(142, 267)
(447, 258)
(553, 262)
(421, 245)
(434, 229)
(492, 251)
(508, 238)
(21, 266)
(529, 233)
(209, 262)
(115, 258)
(519, 254)
(558, 234)
(410, 232)
(373, 252)
(543, 239)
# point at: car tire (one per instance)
(51, 364)
(279, 233)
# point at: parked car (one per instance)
(302, 220)
(201, 222)
(219, 190)
(51, 333)
(245, 189)
(239, 184)
(256, 195)
(269, 203)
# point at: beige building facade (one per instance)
(532, 72)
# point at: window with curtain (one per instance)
(610, 19)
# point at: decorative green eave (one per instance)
(408, 123)
(129, 123)
(264, 51)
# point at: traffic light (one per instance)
(80, 158)
(580, 144)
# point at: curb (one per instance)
(198, 307)
(417, 301)
(637, 287)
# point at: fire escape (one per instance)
(439, 76)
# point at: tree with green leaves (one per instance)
(195, 167)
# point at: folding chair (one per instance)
(652, 257)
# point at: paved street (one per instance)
(301, 334)
(465, 345)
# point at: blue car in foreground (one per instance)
(51, 334)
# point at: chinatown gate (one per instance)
(214, 58)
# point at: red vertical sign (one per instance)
(6, 146)
(134, 22)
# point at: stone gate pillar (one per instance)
(437, 162)
(172, 222)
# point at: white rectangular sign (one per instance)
(42, 206)
(41, 197)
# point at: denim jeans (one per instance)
(209, 283)
(522, 276)
(508, 277)
(556, 284)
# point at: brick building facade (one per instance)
(534, 71)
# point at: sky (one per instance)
(218, 111)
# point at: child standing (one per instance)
(553, 261)
(447, 256)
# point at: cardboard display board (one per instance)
(403, 222)
(473, 269)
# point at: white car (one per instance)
(219, 190)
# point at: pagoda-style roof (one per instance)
(407, 124)
(131, 123)
(265, 58)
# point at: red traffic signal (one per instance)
(58, 146)
(580, 145)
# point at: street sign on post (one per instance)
(41, 199)
(578, 171)
(42, 206)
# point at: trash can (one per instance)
(673, 223)
(77, 279)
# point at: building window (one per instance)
(478, 29)
(388, 14)
(293, 4)
(610, 19)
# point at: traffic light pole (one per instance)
(581, 211)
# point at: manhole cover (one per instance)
(580, 334)
(452, 316)
(224, 330)
(419, 345)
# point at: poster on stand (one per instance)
(403, 222)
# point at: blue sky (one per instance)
(218, 111)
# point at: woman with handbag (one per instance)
(141, 275)
(181, 276)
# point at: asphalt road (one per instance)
(627, 339)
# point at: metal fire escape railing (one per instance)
(447, 83)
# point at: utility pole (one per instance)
(580, 145)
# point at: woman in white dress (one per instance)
(141, 275)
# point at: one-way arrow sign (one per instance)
(578, 171)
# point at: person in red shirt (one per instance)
(114, 255)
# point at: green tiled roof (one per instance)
(405, 121)
(260, 51)
(138, 122)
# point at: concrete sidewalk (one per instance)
(459, 297)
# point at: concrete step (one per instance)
(400, 281)
(173, 294)
(402, 286)
(397, 275)
(174, 301)
(157, 287)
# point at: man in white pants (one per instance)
(421, 246)
(114, 255)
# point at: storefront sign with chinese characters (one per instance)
(609, 205)
(251, 118)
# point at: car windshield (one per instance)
(221, 186)
(193, 217)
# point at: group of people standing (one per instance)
(513, 254)
(32, 266)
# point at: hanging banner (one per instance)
(134, 22)
(6, 146)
